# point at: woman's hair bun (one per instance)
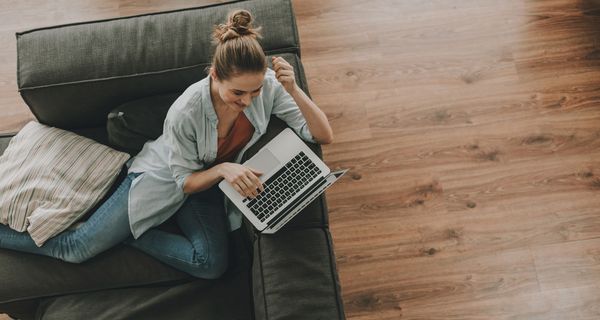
(239, 24)
(240, 19)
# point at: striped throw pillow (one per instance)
(49, 178)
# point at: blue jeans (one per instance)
(201, 251)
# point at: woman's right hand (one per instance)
(243, 179)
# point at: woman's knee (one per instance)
(74, 252)
(75, 258)
(212, 267)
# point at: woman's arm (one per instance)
(316, 120)
(201, 180)
(243, 179)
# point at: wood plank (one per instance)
(576, 303)
(568, 264)
(398, 286)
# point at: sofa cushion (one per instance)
(51, 177)
(133, 123)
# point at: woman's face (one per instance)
(238, 91)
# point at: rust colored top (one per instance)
(228, 147)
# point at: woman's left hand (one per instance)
(284, 73)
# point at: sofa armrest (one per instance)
(294, 275)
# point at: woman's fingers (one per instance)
(254, 176)
(257, 183)
(277, 67)
(237, 188)
(255, 172)
(279, 70)
(280, 63)
(250, 185)
(247, 186)
(244, 180)
(286, 78)
(284, 73)
(244, 183)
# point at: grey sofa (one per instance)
(71, 76)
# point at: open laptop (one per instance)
(293, 176)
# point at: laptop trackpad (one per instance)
(264, 161)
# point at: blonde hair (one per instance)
(237, 49)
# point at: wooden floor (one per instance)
(472, 132)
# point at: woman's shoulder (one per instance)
(191, 96)
(270, 84)
(270, 76)
(189, 102)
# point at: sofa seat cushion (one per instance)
(229, 298)
(49, 178)
(27, 276)
(109, 284)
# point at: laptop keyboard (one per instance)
(282, 186)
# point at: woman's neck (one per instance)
(219, 105)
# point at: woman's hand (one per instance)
(317, 122)
(284, 73)
(243, 179)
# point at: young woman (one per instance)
(206, 131)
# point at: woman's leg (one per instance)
(203, 250)
(106, 227)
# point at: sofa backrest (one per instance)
(72, 75)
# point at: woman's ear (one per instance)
(213, 74)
